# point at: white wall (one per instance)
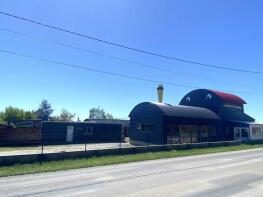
(256, 137)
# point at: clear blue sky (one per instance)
(227, 33)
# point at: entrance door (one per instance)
(70, 133)
(241, 133)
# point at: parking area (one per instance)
(5, 151)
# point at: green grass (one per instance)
(19, 169)
(16, 148)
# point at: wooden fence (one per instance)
(20, 136)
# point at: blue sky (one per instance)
(226, 33)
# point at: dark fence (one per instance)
(20, 136)
(58, 134)
(14, 159)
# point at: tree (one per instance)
(44, 111)
(1, 117)
(15, 114)
(98, 113)
(30, 115)
(109, 116)
(54, 118)
(66, 115)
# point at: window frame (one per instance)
(257, 132)
(89, 131)
(145, 127)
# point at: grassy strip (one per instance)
(19, 148)
(19, 169)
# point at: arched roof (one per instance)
(199, 96)
(228, 98)
(175, 111)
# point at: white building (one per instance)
(256, 131)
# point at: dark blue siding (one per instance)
(56, 132)
(198, 99)
(150, 114)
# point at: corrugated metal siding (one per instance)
(235, 115)
(146, 112)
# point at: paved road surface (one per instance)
(222, 174)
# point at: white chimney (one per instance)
(160, 93)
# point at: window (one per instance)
(208, 97)
(244, 132)
(89, 131)
(144, 127)
(232, 106)
(256, 131)
(237, 132)
(188, 99)
(211, 131)
(204, 131)
(172, 130)
(80, 128)
(139, 126)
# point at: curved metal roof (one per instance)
(227, 97)
(177, 111)
(235, 115)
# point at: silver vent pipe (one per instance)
(160, 93)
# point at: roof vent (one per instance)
(160, 93)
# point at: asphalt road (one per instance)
(222, 174)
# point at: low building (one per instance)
(58, 132)
(202, 115)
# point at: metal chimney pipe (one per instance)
(160, 93)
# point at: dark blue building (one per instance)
(202, 115)
(59, 132)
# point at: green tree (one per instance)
(98, 113)
(109, 116)
(44, 111)
(65, 115)
(15, 114)
(1, 117)
(30, 115)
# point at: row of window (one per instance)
(144, 127)
(243, 132)
(205, 130)
(232, 106)
(86, 130)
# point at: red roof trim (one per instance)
(229, 98)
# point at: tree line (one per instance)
(45, 113)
